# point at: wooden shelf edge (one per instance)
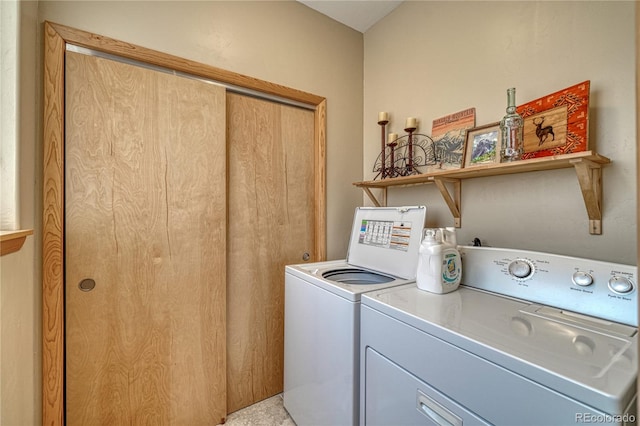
(587, 164)
(531, 165)
(12, 241)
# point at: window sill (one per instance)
(12, 241)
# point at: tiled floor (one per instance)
(269, 412)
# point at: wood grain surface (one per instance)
(145, 219)
(271, 224)
(139, 53)
(53, 231)
(53, 308)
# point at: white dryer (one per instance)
(530, 338)
(322, 313)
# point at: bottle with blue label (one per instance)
(439, 262)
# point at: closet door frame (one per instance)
(53, 316)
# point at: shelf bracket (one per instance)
(452, 202)
(374, 199)
(590, 180)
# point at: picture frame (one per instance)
(449, 134)
(482, 145)
(557, 123)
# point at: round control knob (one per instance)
(620, 284)
(520, 268)
(582, 278)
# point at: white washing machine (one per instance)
(322, 313)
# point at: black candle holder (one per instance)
(404, 155)
(410, 168)
(383, 125)
(392, 171)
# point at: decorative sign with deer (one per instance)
(557, 123)
(546, 130)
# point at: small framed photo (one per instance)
(483, 145)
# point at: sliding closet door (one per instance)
(145, 246)
(271, 224)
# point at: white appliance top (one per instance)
(312, 273)
(383, 252)
(578, 352)
(590, 287)
(387, 239)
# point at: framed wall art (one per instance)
(448, 134)
(482, 145)
(557, 123)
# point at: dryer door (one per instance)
(392, 395)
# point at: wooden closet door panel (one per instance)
(271, 224)
(145, 219)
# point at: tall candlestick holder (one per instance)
(383, 125)
(410, 168)
(397, 160)
(392, 171)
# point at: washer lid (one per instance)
(356, 276)
(387, 239)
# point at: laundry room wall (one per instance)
(20, 288)
(431, 59)
(282, 42)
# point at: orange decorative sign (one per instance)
(557, 123)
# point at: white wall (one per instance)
(20, 348)
(429, 59)
(9, 20)
(20, 294)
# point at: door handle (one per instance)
(87, 284)
(436, 412)
(306, 256)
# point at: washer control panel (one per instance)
(620, 285)
(581, 278)
(591, 287)
(521, 269)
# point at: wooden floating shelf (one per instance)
(587, 164)
(12, 241)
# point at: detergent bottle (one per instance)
(429, 260)
(439, 265)
(451, 261)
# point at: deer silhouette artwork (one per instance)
(543, 132)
